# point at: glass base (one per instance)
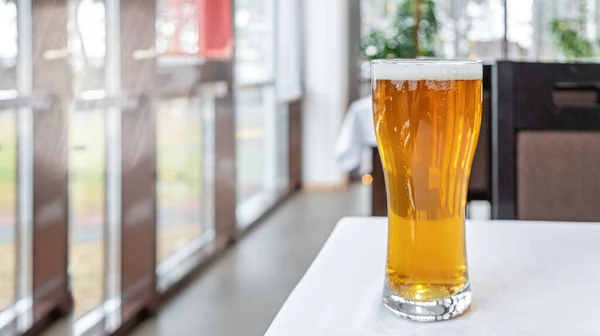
(438, 310)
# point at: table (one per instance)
(528, 278)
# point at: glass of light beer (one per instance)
(427, 115)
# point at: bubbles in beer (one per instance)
(412, 85)
(441, 85)
(439, 77)
(398, 84)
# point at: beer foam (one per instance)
(415, 70)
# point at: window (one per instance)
(467, 28)
(471, 28)
(261, 109)
(8, 206)
(8, 154)
(180, 180)
(530, 27)
(86, 184)
(255, 41)
(184, 124)
(477, 28)
(177, 28)
(87, 156)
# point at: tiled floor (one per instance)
(242, 292)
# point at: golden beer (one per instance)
(427, 116)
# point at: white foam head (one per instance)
(413, 70)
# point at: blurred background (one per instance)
(143, 141)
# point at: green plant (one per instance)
(570, 41)
(570, 36)
(400, 40)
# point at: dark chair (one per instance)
(546, 141)
(481, 174)
(480, 182)
(378, 192)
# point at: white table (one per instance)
(528, 278)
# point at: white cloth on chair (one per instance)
(356, 135)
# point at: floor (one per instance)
(244, 290)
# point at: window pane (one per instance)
(87, 156)
(86, 188)
(252, 107)
(87, 38)
(8, 206)
(177, 27)
(551, 30)
(262, 151)
(8, 34)
(8, 153)
(471, 28)
(520, 29)
(289, 50)
(180, 183)
(467, 28)
(255, 34)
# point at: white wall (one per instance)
(326, 85)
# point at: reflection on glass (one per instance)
(251, 111)
(8, 153)
(180, 182)
(8, 206)
(87, 159)
(87, 193)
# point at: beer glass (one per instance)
(427, 115)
